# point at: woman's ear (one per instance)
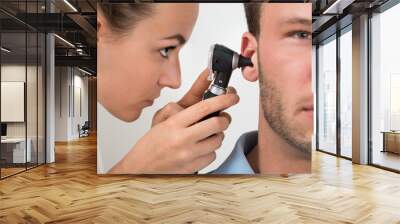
(249, 49)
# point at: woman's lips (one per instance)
(149, 102)
(146, 103)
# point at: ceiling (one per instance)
(75, 21)
(332, 15)
(21, 21)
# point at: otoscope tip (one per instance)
(244, 61)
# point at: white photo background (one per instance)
(217, 23)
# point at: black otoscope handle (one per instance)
(209, 94)
(219, 86)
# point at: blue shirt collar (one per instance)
(237, 162)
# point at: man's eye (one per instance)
(165, 51)
(302, 34)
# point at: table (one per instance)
(15, 148)
(391, 141)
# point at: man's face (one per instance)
(284, 67)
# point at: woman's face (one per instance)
(135, 66)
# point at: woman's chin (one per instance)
(132, 116)
(135, 113)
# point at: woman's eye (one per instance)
(165, 51)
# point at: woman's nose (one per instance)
(171, 77)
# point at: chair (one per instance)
(84, 130)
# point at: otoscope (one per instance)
(222, 61)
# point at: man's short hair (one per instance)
(252, 9)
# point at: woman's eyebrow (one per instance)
(178, 37)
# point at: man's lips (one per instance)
(308, 108)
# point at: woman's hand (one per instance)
(178, 142)
(193, 96)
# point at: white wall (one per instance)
(61, 103)
(80, 83)
(217, 23)
(67, 81)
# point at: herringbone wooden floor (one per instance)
(69, 191)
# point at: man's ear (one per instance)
(249, 49)
(100, 26)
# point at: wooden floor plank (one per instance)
(70, 191)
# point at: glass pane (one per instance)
(31, 85)
(327, 96)
(13, 87)
(31, 100)
(386, 89)
(22, 74)
(41, 98)
(346, 94)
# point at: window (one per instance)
(327, 95)
(385, 89)
(346, 75)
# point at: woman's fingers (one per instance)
(208, 145)
(209, 127)
(231, 90)
(166, 112)
(226, 115)
(195, 94)
(198, 111)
